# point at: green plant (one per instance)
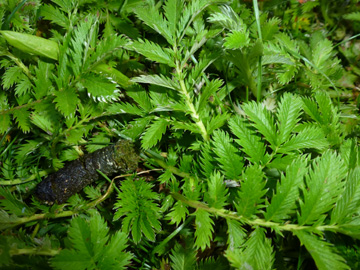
(243, 115)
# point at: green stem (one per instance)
(259, 77)
(34, 251)
(23, 220)
(255, 222)
(171, 236)
(20, 64)
(190, 105)
(163, 164)
(22, 181)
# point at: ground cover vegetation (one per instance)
(244, 116)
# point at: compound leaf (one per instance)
(321, 251)
(230, 162)
(204, 228)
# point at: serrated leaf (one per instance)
(250, 196)
(124, 108)
(140, 96)
(270, 28)
(236, 234)
(173, 11)
(136, 205)
(13, 205)
(256, 253)
(248, 140)
(323, 253)
(183, 258)
(136, 127)
(204, 228)
(311, 108)
(237, 40)
(92, 248)
(27, 148)
(207, 160)
(323, 186)
(43, 121)
(54, 15)
(100, 88)
(23, 119)
(159, 80)
(4, 122)
(353, 16)
(23, 86)
(192, 127)
(217, 192)
(263, 121)
(151, 17)
(11, 76)
(288, 115)
(178, 213)
(349, 202)
(66, 101)
(190, 12)
(309, 137)
(97, 142)
(209, 90)
(153, 52)
(287, 74)
(153, 133)
(287, 192)
(230, 161)
(216, 122)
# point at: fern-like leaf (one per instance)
(204, 229)
(353, 16)
(310, 137)
(288, 115)
(324, 185)
(230, 162)
(257, 253)
(154, 133)
(153, 52)
(178, 213)
(136, 204)
(100, 88)
(237, 40)
(217, 192)
(66, 101)
(11, 204)
(250, 196)
(236, 234)
(263, 121)
(54, 15)
(250, 142)
(159, 80)
(348, 204)
(322, 252)
(183, 258)
(151, 17)
(92, 248)
(287, 192)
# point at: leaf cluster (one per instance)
(244, 116)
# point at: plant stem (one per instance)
(22, 181)
(255, 222)
(190, 105)
(259, 77)
(34, 251)
(20, 64)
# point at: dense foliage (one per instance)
(246, 115)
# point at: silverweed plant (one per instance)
(244, 120)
